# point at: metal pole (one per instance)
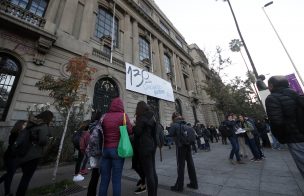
(113, 34)
(294, 66)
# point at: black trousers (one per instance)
(93, 182)
(28, 170)
(11, 166)
(148, 167)
(183, 154)
(78, 162)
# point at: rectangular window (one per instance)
(164, 27)
(37, 7)
(186, 81)
(144, 50)
(103, 28)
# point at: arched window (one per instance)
(103, 28)
(167, 63)
(105, 90)
(144, 50)
(178, 106)
(10, 70)
(37, 7)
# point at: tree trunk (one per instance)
(240, 34)
(61, 145)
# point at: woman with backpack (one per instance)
(94, 151)
(145, 148)
(9, 157)
(39, 135)
(111, 164)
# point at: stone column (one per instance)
(68, 16)
(178, 70)
(156, 58)
(135, 44)
(128, 50)
(86, 24)
(161, 59)
(50, 15)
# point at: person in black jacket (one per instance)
(145, 147)
(9, 158)
(183, 153)
(281, 109)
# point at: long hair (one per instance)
(18, 126)
(45, 116)
(141, 108)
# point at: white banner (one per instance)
(142, 81)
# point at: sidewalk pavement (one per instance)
(277, 175)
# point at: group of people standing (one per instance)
(102, 145)
(241, 131)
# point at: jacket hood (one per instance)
(33, 121)
(116, 105)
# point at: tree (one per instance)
(235, 46)
(242, 39)
(66, 92)
(236, 96)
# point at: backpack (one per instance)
(76, 139)
(23, 143)
(159, 135)
(224, 130)
(187, 135)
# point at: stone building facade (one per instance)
(38, 37)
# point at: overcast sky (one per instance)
(209, 23)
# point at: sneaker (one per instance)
(192, 186)
(257, 160)
(252, 159)
(139, 182)
(78, 178)
(240, 162)
(84, 172)
(140, 190)
(174, 188)
(231, 161)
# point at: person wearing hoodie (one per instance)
(111, 164)
(281, 108)
(39, 129)
(183, 154)
(145, 148)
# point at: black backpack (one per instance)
(76, 139)
(159, 135)
(225, 131)
(186, 135)
(23, 143)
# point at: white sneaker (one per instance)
(78, 178)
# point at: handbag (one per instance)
(124, 149)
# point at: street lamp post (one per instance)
(294, 66)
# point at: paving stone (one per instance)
(247, 184)
(287, 188)
(228, 191)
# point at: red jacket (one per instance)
(84, 140)
(111, 122)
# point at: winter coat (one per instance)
(248, 127)
(111, 122)
(281, 111)
(231, 127)
(96, 140)
(11, 140)
(175, 129)
(40, 133)
(144, 133)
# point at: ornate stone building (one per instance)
(38, 37)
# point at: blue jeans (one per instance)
(111, 164)
(253, 148)
(297, 153)
(235, 148)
